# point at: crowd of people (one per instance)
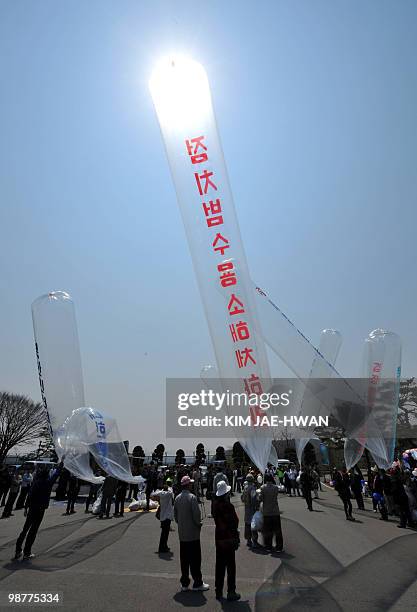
(393, 492)
(180, 492)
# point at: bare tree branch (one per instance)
(22, 421)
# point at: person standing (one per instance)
(150, 485)
(250, 499)
(378, 499)
(356, 488)
(287, 482)
(292, 475)
(227, 541)
(73, 490)
(389, 500)
(342, 486)
(133, 487)
(400, 498)
(220, 475)
(13, 493)
(272, 520)
(306, 482)
(210, 480)
(5, 482)
(166, 509)
(109, 489)
(196, 477)
(315, 484)
(92, 495)
(36, 503)
(119, 506)
(187, 516)
(24, 489)
(239, 479)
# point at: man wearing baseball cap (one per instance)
(187, 515)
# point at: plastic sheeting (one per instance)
(273, 456)
(88, 430)
(353, 451)
(182, 99)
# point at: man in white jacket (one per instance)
(166, 513)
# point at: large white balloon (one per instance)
(60, 373)
(77, 431)
(329, 347)
(182, 99)
(383, 366)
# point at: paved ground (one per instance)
(329, 564)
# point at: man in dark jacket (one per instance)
(400, 498)
(227, 541)
(5, 482)
(109, 489)
(356, 487)
(270, 509)
(306, 482)
(378, 499)
(72, 494)
(150, 475)
(342, 486)
(119, 506)
(36, 503)
(13, 493)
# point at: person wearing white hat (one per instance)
(227, 541)
(187, 515)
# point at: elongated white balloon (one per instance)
(298, 353)
(353, 451)
(329, 347)
(60, 374)
(182, 99)
(253, 445)
(383, 359)
(58, 354)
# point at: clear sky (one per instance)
(316, 105)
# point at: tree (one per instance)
(138, 452)
(239, 455)
(137, 456)
(158, 453)
(199, 453)
(179, 456)
(45, 449)
(220, 454)
(407, 405)
(22, 421)
(291, 454)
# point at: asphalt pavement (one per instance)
(329, 564)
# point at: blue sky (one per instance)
(316, 109)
